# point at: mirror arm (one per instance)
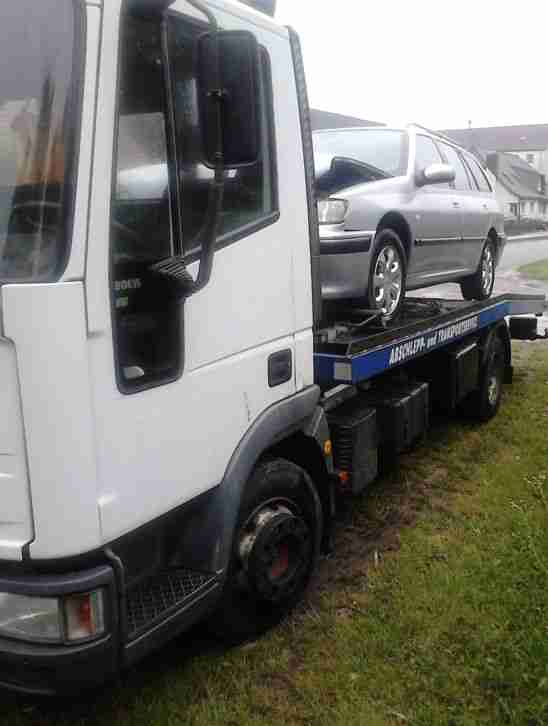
(214, 209)
(212, 20)
(173, 269)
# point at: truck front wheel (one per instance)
(274, 553)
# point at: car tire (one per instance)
(275, 551)
(479, 286)
(382, 289)
(484, 403)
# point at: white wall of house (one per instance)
(510, 203)
(537, 159)
(507, 201)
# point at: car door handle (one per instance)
(456, 204)
(486, 206)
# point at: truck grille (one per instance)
(156, 597)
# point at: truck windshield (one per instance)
(37, 91)
(382, 151)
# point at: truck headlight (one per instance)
(71, 618)
(30, 618)
(332, 211)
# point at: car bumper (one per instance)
(344, 263)
(48, 669)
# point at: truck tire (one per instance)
(479, 286)
(387, 274)
(484, 403)
(275, 550)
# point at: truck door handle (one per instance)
(280, 367)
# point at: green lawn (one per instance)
(434, 609)
(536, 270)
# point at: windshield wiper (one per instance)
(361, 167)
(344, 172)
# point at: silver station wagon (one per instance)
(401, 209)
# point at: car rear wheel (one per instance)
(480, 285)
(387, 275)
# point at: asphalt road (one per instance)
(520, 252)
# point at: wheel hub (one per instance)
(274, 551)
(493, 390)
(387, 279)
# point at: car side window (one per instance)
(453, 158)
(479, 176)
(426, 152)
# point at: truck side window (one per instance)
(250, 198)
(145, 321)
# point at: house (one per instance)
(518, 158)
(521, 190)
(328, 120)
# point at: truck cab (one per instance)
(125, 395)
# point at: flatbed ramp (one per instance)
(353, 349)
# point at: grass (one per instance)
(535, 270)
(433, 609)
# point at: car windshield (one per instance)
(36, 139)
(381, 151)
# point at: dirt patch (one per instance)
(370, 526)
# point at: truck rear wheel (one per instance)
(275, 551)
(484, 403)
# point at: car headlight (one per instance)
(71, 618)
(332, 211)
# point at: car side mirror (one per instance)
(435, 174)
(229, 98)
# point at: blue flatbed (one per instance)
(350, 351)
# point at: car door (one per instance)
(483, 207)
(436, 213)
(464, 256)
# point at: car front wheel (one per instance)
(387, 274)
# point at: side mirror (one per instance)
(435, 174)
(229, 98)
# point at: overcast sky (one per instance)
(440, 64)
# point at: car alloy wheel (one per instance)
(487, 269)
(387, 279)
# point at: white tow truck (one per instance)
(177, 409)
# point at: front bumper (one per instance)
(48, 669)
(344, 263)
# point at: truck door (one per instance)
(188, 379)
